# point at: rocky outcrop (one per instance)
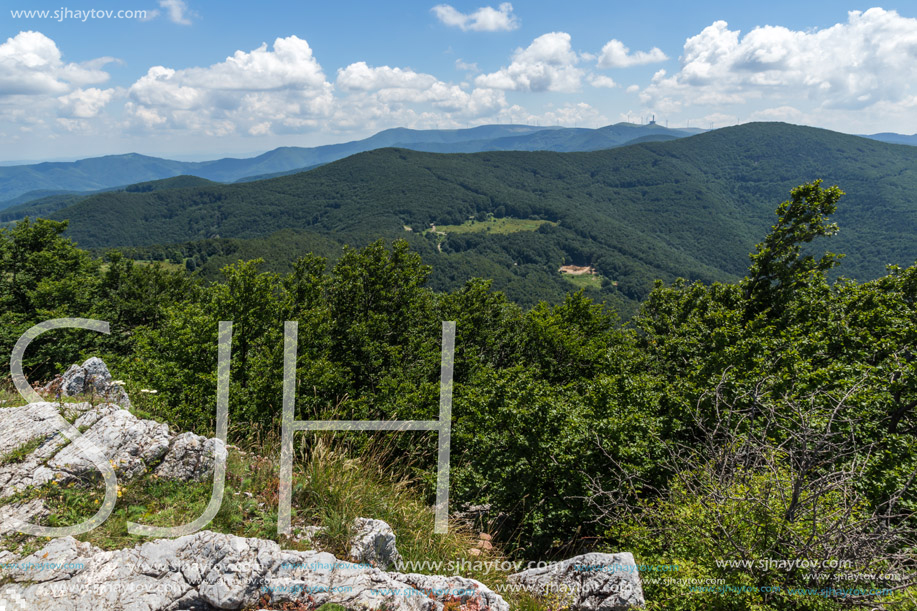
(591, 582)
(216, 571)
(373, 542)
(33, 452)
(92, 379)
(202, 571)
(134, 446)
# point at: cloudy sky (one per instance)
(210, 78)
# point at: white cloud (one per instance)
(615, 55)
(177, 11)
(283, 86)
(385, 88)
(361, 77)
(261, 129)
(31, 64)
(869, 62)
(85, 103)
(633, 89)
(570, 114)
(485, 19)
(548, 64)
(579, 113)
(468, 67)
(284, 90)
(602, 81)
(780, 113)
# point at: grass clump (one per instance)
(18, 455)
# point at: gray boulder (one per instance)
(373, 543)
(591, 582)
(91, 378)
(191, 458)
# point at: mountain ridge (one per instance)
(691, 207)
(111, 171)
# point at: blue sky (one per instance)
(201, 78)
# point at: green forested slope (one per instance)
(690, 207)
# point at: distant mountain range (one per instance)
(895, 138)
(691, 207)
(19, 184)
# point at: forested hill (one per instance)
(23, 183)
(692, 207)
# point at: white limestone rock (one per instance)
(374, 543)
(590, 582)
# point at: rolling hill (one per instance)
(692, 207)
(112, 171)
(43, 206)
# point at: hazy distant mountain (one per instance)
(117, 170)
(895, 138)
(44, 205)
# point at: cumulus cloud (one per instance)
(284, 90)
(485, 19)
(285, 84)
(579, 113)
(31, 64)
(85, 103)
(385, 88)
(361, 77)
(615, 55)
(548, 64)
(602, 81)
(868, 62)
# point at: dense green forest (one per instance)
(767, 418)
(691, 208)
